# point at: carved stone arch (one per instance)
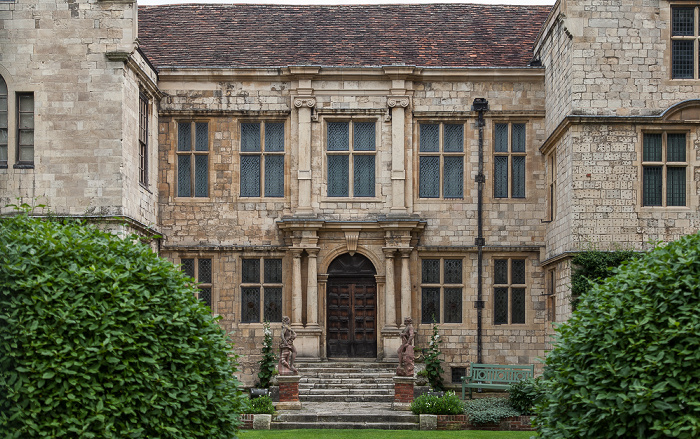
(342, 249)
(7, 77)
(683, 111)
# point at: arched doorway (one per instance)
(351, 308)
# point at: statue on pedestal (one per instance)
(288, 352)
(406, 354)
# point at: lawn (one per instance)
(382, 434)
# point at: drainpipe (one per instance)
(480, 105)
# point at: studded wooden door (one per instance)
(352, 318)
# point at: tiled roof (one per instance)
(430, 35)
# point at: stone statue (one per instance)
(288, 352)
(406, 354)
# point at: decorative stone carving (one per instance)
(304, 102)
(288, 352)
(351, 239)
(397, 101)
(406, 354)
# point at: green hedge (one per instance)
(101, 338)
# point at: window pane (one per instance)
(500, 308)
(453, 305)
(682, 22)
(250, 176)
(652, 147)
(250, 137)
(188, 267)
(274, 137)
(430, 305)
(184, 136)
(3, 86)
(431, 271)
(201, 140)
(454, 138)
(338, 136)
(453, 271)
(250, 271)
(338, 174)
(429, 184)
(517, 274)
(675, 187)
(204, 271)
(652, 186)
(273, 304)
(500, 271)
(518, 305)
(518, 137)
(26, 103)
(3, 111)
(205, 296)
(273, 271)
(26, 121)
(363, 179)
(26, 153)
(501, 139)
(682, 59)
(184, 173)
(675, 150)
(518, 163)
(500, 177)
(274, 175)
(453, 178)
(364, 138)
(250, 304)
(429, 138)
(201, 175)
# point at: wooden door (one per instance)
(352, 318)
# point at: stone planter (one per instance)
(261, 421)
(428, 422)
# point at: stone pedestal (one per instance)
(308, 342)
(289, 392)
(391, 338)
(403, 393)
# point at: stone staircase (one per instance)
(348, 395)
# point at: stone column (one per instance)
(312, 289)
(398, 168)
(304, 104)
(296, 288)
(390, 303)
(405, 284)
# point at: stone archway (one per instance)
(351, 308)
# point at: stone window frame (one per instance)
(193, 271)
(352, 153)
(664, 164)
(511, 287)
(551, 293)
(25, 125)
(144, 132)
(510, 155)
(695, 39)
(261, 284)
(441, 154)
(442, 286)
(552, 169)
(4, 123)
(263, 153)
(193, 153)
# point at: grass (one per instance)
(383, 434)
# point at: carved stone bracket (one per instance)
(305, 101)
(351, 239)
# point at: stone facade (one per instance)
(599, 84)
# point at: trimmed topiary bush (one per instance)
(448, 404)
(101, 338)
(489, 410)
(626, 363)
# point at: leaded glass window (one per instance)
(351, 159)
(193, 159)
(684, 42)
(664, 168)
(200, 269)
(25, 131)
(510, 151)
(261, 290)
(262, 159)
(143, 139)
(509, 300)
(3, 123)
(441, 160)
(441, 281)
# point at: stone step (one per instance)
(325, 385)
(404, 417)
(344, 426)
(346, 398)
(344, 375)
(361, 392)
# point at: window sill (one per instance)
(351, 200)
(23, 166)
(144, 187)
(193, 199)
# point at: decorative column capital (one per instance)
(389, 252)
(406, 252)
(305, 101)
(312, 251)
(398, 101)
(296, 252)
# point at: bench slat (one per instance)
(495, 376)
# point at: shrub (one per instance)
(269, 360)
(626, 363)
(524, 394)
(260, 405)
(489, 410)
(593, 266)
(101, 338)
(433, 364)
(449, 404)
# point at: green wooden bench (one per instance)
(495, 376)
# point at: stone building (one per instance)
(350, 166)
